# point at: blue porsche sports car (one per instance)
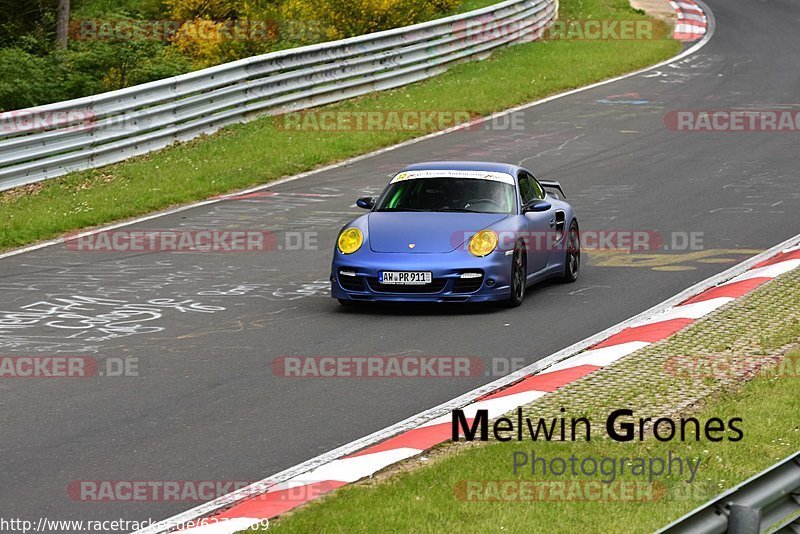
(457, 232)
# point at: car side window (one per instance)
(537, 188)
(527, 190)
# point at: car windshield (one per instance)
(448, 194)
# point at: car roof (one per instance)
(487, 166)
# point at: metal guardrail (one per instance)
(768, 502)
(114, 126)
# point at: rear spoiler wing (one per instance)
(553, 184)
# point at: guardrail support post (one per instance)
(744, 520)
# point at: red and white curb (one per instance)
(297, 486)
(692, 22)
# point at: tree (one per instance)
(62, 23)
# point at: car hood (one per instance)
(429, 232)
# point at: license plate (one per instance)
(410, 278)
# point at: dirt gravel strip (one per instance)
(286, 495)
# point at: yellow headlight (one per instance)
(350, 240)
(483, 243)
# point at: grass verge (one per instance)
(260, 151)
(433, 495)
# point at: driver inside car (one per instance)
(488, 196)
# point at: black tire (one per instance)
(519, 276)
(572, 263)
(345, 302)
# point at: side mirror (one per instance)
(366, 202)
(536, 205)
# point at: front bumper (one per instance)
(355, 276)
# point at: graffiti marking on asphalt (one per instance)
(90, 319)
(667, 261)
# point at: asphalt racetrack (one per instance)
(206, 404)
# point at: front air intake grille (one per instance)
(351, 283)
(467, 285)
